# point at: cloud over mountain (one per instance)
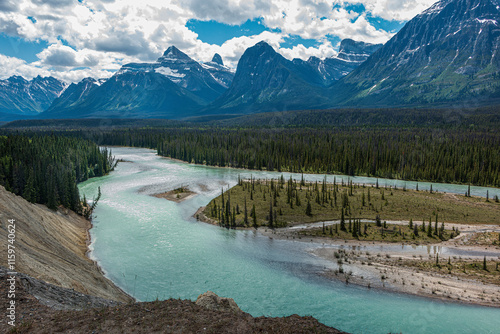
(78, 33)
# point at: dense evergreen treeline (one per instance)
(457, 118)
(482, 118)
(436, 155)
(404, 154)
(46, 168)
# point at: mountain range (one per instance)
(176, 86)
(447, 55)
(19, 96)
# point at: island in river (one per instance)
(347, 217)
(177, 195)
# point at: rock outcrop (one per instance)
(211, 301)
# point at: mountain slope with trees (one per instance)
(449, 54)
(45, 169)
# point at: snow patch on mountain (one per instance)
(482, 21)
(169, 73)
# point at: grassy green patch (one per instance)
(385, 232)
(280, 203)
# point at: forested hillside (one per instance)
(45, 169)
(436, 155)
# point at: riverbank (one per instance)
(410, 270)
(404, 271)
(210, 313)
(177, 195)
(52, 247)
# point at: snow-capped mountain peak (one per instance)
(20, 96)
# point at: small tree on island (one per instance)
(271, 225)
(253, 214)
(308, 209)
(245, 219)
(342, 221)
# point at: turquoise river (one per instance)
(154, 248)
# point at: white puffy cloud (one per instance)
(232, 12)
(300, 51)
(399, 10)
(58, 55)
(14, 66)
(8, 5)
(103, 35)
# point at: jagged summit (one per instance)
(217, 59)
(263, 47)
(16, 78)
(257, 55)
(173, 53)
(222, 74)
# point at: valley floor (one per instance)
(411, 270)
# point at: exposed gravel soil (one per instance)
(169, 316)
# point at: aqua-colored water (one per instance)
(153, 248)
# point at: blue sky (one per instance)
(73, 39)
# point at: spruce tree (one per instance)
(308, 209)
(254, 216)
(271, 225)
(245, 219)
(436, 225)
(342, 221)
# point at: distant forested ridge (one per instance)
(45, 169)
(435, 155)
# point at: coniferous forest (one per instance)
(427, 150)
(45, 169)
(435, 155)
(404, 154)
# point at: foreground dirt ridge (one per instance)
(209, 314)
(52, 247)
